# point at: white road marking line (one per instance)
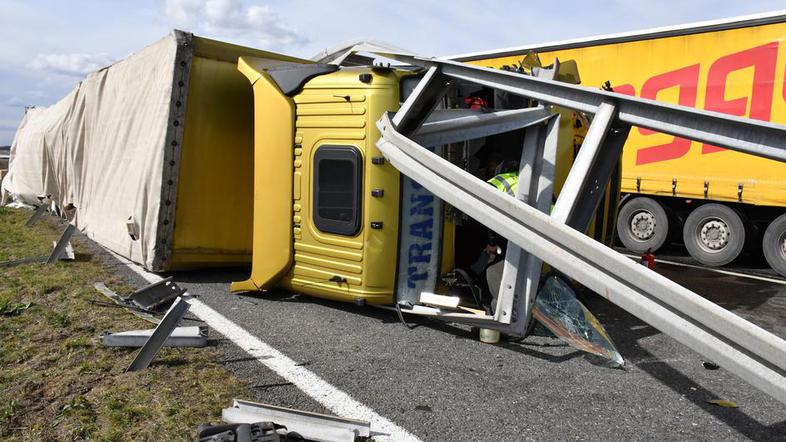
(710, 269)
(320, 390)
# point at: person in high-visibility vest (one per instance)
(505, 179)
(506, 182)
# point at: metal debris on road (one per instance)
(192, 336)
(257, 432)
(144, 301)
(125, 303)
(154, 295)
(312, 426)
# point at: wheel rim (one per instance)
(782, 243)
(712, 234)
(642, 225)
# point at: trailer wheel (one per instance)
(642, 224)
(774, 244)
(714, 234)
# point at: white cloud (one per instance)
(256, 23)
(76, 65)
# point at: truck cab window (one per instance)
(337, 186)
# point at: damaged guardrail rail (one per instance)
(755, 355)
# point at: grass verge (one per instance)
(56, 380)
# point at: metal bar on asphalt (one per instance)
(191, 336)
(61, 244)
(757, 356)
(160, 334)
(479, 125)
(756, 137)
(312, 426)
(40, 210)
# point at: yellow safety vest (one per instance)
(506, 182)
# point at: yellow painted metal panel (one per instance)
(324, 274)
(335, 266)
(216, 162)
(339, 292)
(274, 115)
(319, 99)
(330, 251)
(737, 71)
(215, 178)
(329, 263)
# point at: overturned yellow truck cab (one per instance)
(325, 204)
(333, 219)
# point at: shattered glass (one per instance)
(558, 309)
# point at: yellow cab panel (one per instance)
(341, 214)
(345, 205)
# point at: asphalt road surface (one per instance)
(440, 383)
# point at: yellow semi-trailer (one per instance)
(719, 203)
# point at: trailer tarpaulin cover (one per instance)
(103, 149)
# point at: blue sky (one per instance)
(46, 47)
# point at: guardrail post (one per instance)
(521, 270)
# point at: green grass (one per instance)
(56, 380)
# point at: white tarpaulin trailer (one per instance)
(154, 152)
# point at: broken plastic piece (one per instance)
(723, 403)
(193, 336)
(557, 308)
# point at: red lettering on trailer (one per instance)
(762, 59)
(686, 79)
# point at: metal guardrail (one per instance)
(756, 137)
(755, 355)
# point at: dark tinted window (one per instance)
(337, 182)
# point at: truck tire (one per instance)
(642, 224)
(714, 234)
(774, 244)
